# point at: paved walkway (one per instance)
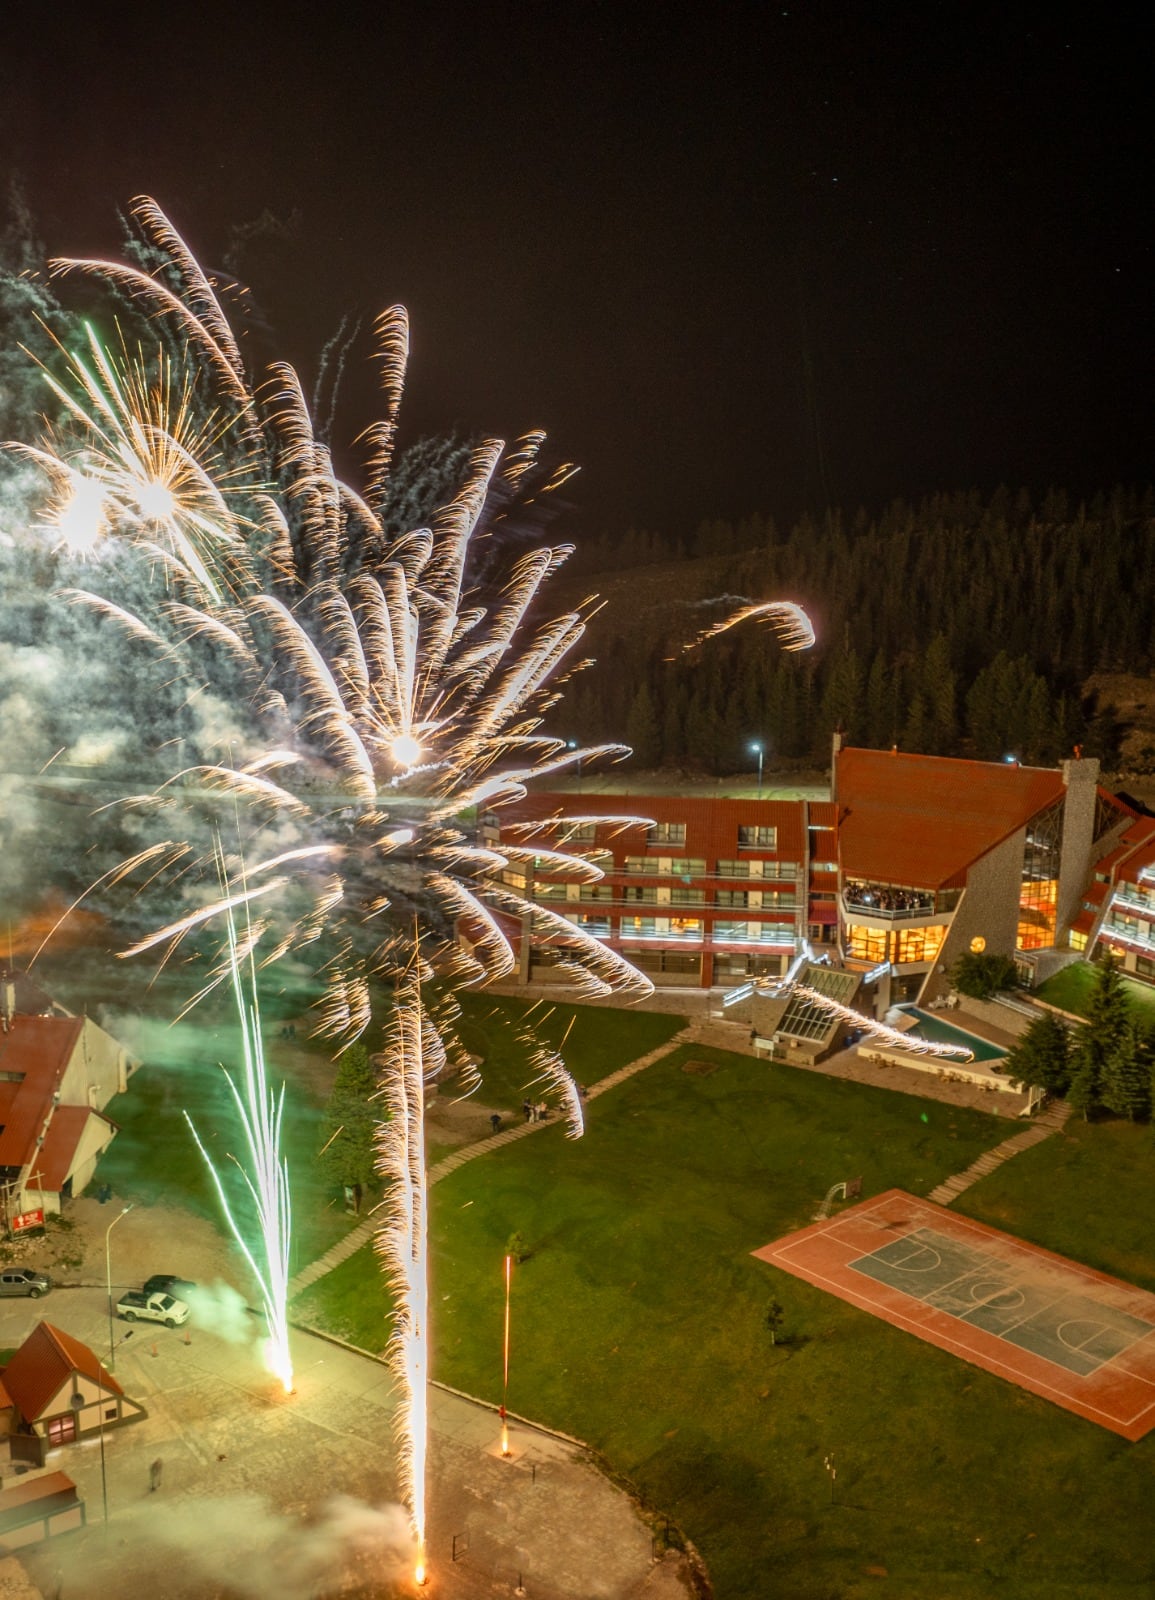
(363, 1233)
(1048, 1122)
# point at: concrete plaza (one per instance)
(293, 1498)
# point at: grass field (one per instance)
(1070, 990)
(1088, 1192)
(638, 1324)
(154, 1155)
(598, 1040)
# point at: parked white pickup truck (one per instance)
(136, 1306)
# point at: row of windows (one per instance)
(675, 867)
(691, 928)
(678, 895)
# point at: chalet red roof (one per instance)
(34, 1054)
(44, 1363)
(922, 820)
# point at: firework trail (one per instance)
(790, 985)
(263, 1169)
(879, 1030)
(793, 627)
(414, 1054)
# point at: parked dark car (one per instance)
(166, 1283)
(22, 1280)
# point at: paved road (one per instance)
(290, 1499)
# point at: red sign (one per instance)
(28, 1219)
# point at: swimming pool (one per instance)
(938, 1032)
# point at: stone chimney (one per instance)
(1081, 780)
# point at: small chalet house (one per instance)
(57, 1073)
(54, 1391)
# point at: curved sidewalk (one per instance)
(363, 1233)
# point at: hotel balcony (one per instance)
(884, 905)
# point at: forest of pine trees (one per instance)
(963, 625)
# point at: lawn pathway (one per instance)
(1048, 1122)
(363, 1233)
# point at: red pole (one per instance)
(505, 1359)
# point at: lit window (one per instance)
(866, 944)
(918, 944)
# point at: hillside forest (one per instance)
(963, 625)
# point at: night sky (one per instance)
(749, 259)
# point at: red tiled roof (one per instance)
(43, 1363)
(60, 1145)
(1135, 851)
(823, 814)
(39, 1049)
(1084, 922)
(922, 820)
(711, 823)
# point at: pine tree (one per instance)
(642, 732)
(879, 730)
(914, 732)
(1042, 1057)
(352, 1117)
(1108, 1018)
(1127, 1076)
(940, 687)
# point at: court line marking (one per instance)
(844, 1231)
(988, 1364)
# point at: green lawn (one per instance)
(1088, 1193)
(154, 1156)
(1070, 990)
(597, 1040)
(638, 1324)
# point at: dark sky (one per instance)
(737, 260)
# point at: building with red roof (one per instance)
(939, 856)
(57, 1390)
(696, 891)
(1117, 916)
(57, 1073)
(913, 861)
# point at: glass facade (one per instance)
(1039, 884)
(918, 944)
(867, 944)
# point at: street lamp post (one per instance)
(756, 747)
(108, 1284)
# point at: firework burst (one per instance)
(391, 683)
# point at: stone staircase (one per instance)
(1045, 1124)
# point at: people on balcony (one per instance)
(878, 897)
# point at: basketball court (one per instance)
(1064, 1331)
